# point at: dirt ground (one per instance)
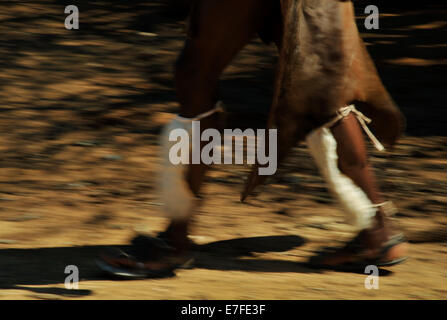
(80, 113)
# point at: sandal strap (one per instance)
(388, 208)
(393, 241)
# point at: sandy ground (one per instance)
(80, 112)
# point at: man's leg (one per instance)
(353, 162)
(341, 155)
(218, 30)
(352, 156)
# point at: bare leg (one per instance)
(220, 28)
(353, 159)
(353, 162)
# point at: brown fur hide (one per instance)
(323, 66)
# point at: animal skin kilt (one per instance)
(324, 66)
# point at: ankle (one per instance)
(177, 235)
(374, 237)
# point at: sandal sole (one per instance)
(132, 274)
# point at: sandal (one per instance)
(355, 257)
(146, 258)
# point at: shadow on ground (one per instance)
(46, 266)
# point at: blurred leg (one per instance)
(353, 159)
(378, 234)
(219, 29)
(340, 154)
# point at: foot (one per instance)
(379, 245)
(147, 257)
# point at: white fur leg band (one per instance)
(323, 147)
(179, 201)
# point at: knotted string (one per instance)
(363, 120)
(218, 108)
